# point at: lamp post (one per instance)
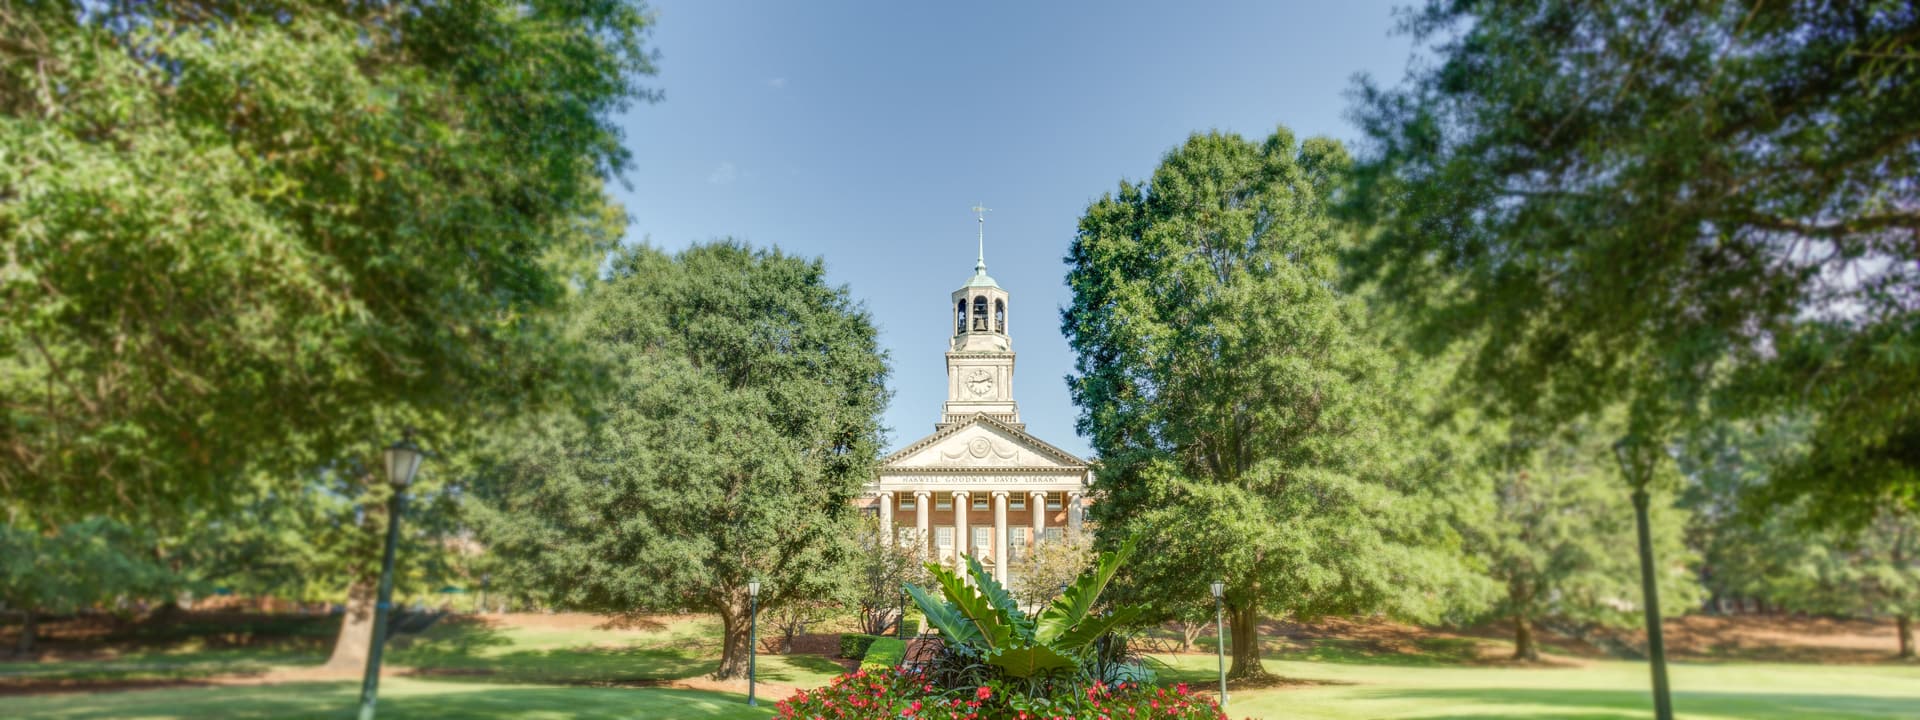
(753, 633)
(403, 460)
(1220, 632)
(1637, 457)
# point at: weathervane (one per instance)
(980, 211)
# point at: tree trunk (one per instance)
(1246, 643)
(733, 649)
(1189, 632)
(1905, 623)
(28, 628)
(356, 629)
(1523, 647)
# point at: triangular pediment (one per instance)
(981, 442)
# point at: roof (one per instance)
(1042, 446)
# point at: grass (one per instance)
(472, 670)
(183, 662)
(1601, 690)
(400, 698)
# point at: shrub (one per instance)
(854, 645)
(987, 637)
(892, 693)
(884, 653)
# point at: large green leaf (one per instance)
(994, 633)
(1030, 660)
(1003, 601)
(1091, 628)
(943, 616)
(1068, 610)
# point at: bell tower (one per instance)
(980, 354)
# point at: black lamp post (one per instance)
(1637, 457)
(403, 460)
(1220, 631)
(753, 633)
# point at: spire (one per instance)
(980, 277)
(980, 211)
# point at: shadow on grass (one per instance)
(1426, 652)
(336, 701)
(1566, 704)
(472, 652)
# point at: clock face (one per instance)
(980, 383)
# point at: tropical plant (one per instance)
(981, 620)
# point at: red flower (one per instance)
(983, 693)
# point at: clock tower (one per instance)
(979, 487)
(980, 354)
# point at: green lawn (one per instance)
(474, 671)
(400, 698)
(1602, 690)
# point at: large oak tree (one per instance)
(740, 419)
(1242, 413)
(268, 235)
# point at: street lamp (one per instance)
(753, 633)
(403, 460)
(1637, 457)
(1220, 632)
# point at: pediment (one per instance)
(981, 443)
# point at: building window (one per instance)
(980, 314)
(944, 502)
(960, 317)
(908, 503)
(943, 536)
(980, 503)
(1055, 534)
(1053, 501)
(982, 541)
(1018, 502)
(1017, 543)
(1000, 316)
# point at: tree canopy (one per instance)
(1619, 198)
(740, 420)
(1236, 400)
(344, 217)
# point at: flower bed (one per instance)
(892, 693)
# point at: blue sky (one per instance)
(862, 133)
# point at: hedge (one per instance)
(854, 645)
(885, 653)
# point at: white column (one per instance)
(1037, 502)
(1000, 536)
(1073, 514)
(960, 537)
(886, 518)
(921, 499)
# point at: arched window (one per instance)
(960, 316)
(1000, 316)
(980, 314)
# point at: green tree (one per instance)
(1554, 542)
(268, 235)
(1048, 566)
(884, 567)
(1235, 398)
(739, 423)
(1617, 199)
(1795, 554)
(80, 565)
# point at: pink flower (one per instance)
(983, 693)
